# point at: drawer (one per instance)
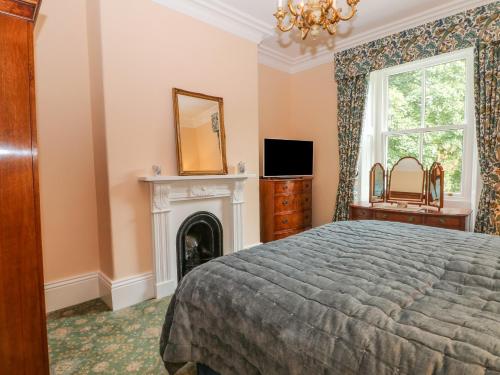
(449, 222)
(306, 201)
(288, 187)
(307, 218)
(288, 233)
(287, 203)
(409, 217)
(291, 221)
(361, 213)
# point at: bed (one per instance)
(358, 297)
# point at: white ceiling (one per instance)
(254, 20)
(372, 14)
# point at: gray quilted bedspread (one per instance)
(346, 298)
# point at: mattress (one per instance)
(358, 297)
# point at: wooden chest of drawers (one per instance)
(285, 207)
(448, 218)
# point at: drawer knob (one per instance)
(285, 203)
(285, 187)
(385, 216)
(284, 221)
(411, 219)
(307, 199)
(442, 221)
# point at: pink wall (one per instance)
(67, 183)
(303, 106)
(99, 137)
(314, 103)
(140, 66)
(105, 117)
(275, 112)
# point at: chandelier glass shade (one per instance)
(313, 15)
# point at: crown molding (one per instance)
(291, 65)
(321, 57)
(222, 16)
(275, 59)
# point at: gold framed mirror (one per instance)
(201, 138)
(377, 184)
(435, 186)
(407, 182)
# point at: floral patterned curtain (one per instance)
(487, 92)
(462, 30)
(453, 33)
(352, 92)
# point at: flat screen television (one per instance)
(286, 158)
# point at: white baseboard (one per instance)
(71, 291)
(116, 294)
(165, 289)
(119, 294)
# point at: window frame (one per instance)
(377, 137)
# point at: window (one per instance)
(423, 109)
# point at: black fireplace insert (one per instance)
(199, 240)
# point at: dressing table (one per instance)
(410, 194)
(448, 218)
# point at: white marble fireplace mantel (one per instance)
(160, 179)
(174, 198)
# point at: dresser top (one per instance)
(425, 210)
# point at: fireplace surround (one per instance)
(176, 198)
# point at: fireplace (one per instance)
(175, 198)
(199, 240)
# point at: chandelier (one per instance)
(312, 16)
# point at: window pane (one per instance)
(405, 100)
(446, 147)
(399, 146)
(445, 94)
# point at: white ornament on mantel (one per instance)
(167, 192)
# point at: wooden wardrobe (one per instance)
(23, 337)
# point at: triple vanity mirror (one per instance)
(408, 183)
(201, 140)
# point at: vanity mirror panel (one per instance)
(201, 143)
(407, 182)
(435, 187)
(377, 184)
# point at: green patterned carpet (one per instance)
(90, 339)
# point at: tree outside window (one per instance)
(427, 118)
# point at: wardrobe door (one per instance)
(23, 341)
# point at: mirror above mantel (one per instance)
(201, 141)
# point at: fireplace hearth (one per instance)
(199, 240)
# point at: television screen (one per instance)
(284, 158)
